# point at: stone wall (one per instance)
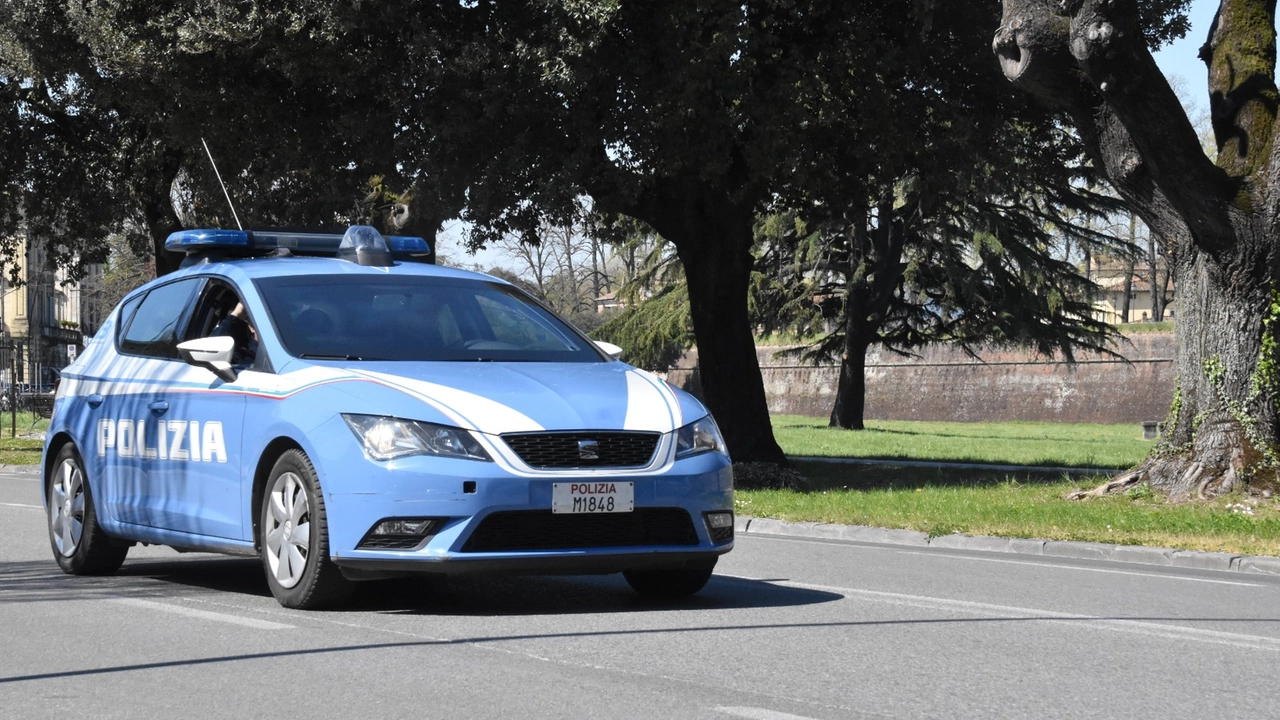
(945, 384)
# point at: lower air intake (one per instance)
(525, 530)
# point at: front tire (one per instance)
(668, 583)
(295, 538)
(79, 544)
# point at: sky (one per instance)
(1179, 57)
(1176, 59)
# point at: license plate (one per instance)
(593, 497)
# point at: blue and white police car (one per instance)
(344, 411)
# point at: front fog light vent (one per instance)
(720, 526)
(400, 533)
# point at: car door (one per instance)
(126, 412)
(196, 473)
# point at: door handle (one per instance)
(94, 400)
(158, 407)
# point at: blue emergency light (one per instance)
(361, 244)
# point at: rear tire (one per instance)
(79, 544)
(668, 583)
(294, 538)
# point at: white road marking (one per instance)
(898, 549)
(203, 614)
(20, 505)
(1137, 627)
(1089, 569)
(759, 713)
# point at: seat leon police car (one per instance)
(344, 411)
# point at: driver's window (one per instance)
(221, 312)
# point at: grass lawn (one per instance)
(19, 451)
(16, 449)
(1052, 444)
(1006, 503)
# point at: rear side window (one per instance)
(153, 331)
(126, 312)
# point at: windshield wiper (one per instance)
(309, 356)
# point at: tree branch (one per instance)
(1094, 62)
(1241, 55)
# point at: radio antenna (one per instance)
(224, 185)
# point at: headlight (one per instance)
(387, 438)
(700, 436)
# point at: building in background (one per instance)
(1109, 305)
(44, 321)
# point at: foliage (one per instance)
(692, 116)
(123, 271)
(114, 101)
(655, 333)
(654, 325)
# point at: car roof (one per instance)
(253, 268)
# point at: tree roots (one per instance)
(1111, 487)
(1176, 478)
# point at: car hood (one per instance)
(494, 397)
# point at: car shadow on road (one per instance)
(564, 595)
(202, 575)
(43, 581)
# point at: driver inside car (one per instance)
(236, 325)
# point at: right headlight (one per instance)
(698, 437)
(387, 438)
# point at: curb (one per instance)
(889, 462)
(1168, 557)
(21, 469)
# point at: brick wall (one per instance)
(945, 384)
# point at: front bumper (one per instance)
(361, 568)
(668, 527)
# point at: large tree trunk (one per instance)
(153, 193)
(873, 275)
(713, 237)
(1223, 423)
(1089, 56)
(851, 394)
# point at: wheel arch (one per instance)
(59, 441)
(270, 454)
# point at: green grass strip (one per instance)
(1016, 443)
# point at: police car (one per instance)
(344, 411)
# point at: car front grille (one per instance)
(519, 530)
(576, 449)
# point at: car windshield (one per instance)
(413, 318)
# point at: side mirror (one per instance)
(613, 350)
(212, 354)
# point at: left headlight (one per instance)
(387, 438)
(698, 437)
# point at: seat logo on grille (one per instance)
(589, 449)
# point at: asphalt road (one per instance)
(787, 629)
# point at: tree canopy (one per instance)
(692, 116)
(112, 103)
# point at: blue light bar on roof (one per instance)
(255, 242)
(196, 240)
(407, 245)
